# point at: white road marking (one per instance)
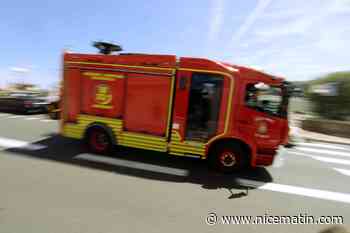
(343, 171)
(132, 164)
(321, 145)
(7, 143)
(41, 117)
(47, 120)
(300, 191)
(282, 188)
(323, 151)
(32, 118)
(322, 158)
(332, 160)
(15, 117)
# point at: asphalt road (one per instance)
(51, 184)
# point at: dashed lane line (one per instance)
(321, 145)
(322, 158)
(323, 151)
(300, 191)
(281, 188)
(47, 120)
(15, 117)
(269, 186)
(41, 118)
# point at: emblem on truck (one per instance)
(103, 96)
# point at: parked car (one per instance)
(23, 102)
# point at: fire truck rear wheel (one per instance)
(228, 158)
(98, 140)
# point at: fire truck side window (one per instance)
(204, 106)
(251, 99)
(269, 100)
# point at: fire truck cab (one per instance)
(231, 115)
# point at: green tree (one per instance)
(337, 106)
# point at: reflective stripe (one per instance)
(188, 148)
(143, 136)
(206, 71)
(143, 141)
(102, 106)
(170, 107)
(103, 78)
(95, 75)
(143, 146)
(185, 151)
(179, 147)
(185, 155)
(117, 65)
(77, 130)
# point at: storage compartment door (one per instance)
(102, 94)
(147, 104)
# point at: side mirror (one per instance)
(262, 86)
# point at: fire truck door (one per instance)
(205, 96)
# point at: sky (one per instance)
(296, 39)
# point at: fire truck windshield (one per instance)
(272, 100)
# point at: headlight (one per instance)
(262, 127)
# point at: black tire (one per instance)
(228, 157)
(98, 140)
(54, 115)
(24, 111)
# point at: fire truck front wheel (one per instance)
(228, 158)
(98, 140)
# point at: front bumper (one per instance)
(265, 157)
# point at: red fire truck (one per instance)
(231, 115)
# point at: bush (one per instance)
(337, 106)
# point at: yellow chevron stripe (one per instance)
(143, 146)
(84, 117)
(102, 106)
(103, 78)
(176, 153)
(143, 136)
(185, 148)
(184, 151)
(136, 140)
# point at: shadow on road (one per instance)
(145, 164)
(39, 112)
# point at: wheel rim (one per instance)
(228, 159)
(99, 140)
